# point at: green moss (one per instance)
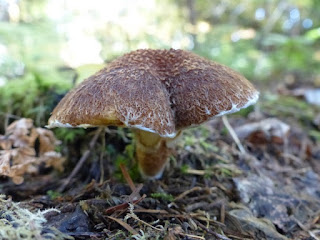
(53, 194)
(287, 106)
(208, 146)
(189, 140)
(127, 158)
(163, 196)
(68, 135)
(224, 131)
(315, 134)
(208, 173)
(33, 95)
(245, 111)
(184, 168)
(226, 172)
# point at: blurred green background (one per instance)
(48, 46)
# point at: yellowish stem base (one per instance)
(152, 153)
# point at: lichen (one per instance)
(20, 223)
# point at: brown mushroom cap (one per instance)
(160, 91)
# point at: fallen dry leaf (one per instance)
(5, 143)
(267, 130)
(19, 155)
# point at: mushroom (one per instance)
(158, 93)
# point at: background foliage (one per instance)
(47, 46)
(210, 189)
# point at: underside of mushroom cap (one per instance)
(160, 91)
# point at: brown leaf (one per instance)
(53, 159)
(20, 127)
(19, 156)
(47, 140)
(5, 143)
(19, 132)
(5, 162)
(267, 130)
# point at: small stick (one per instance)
(151, 211)
(195, 171)
(233, 134)
(81, 161)
(134, 216)
(127, 177)
(135, 194)
(222, 213)
(122, 206)
(182, 195)
(145, 223)
(123, 224)
(191, 236)
(217, 235)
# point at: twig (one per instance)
(123, 224)
(220, 157)
(197, 216)
(222, 213)
(312, 234)
(122, 206)
(150, 211)
(135, 194)
(191, 236)
(81, 161)
(182, 195)
(7, 117)
(127, 177)
(195, 171)
(217, 235)
(131, 214)
(233, 134)
(10, 115)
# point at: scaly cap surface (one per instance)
(160, 91)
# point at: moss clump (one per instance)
(53, 194)
(163, 196)
(289, 107)
(20, 223)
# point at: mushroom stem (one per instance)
(152, 153)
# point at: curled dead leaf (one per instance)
(25, 148)
(5, 143)
(267, 130)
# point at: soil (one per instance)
(210, 189)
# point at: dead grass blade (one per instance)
(182, 195)
(122, 206)
(123, 224)
(127, 177)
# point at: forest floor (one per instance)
(210, 189)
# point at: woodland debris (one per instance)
(24, 148)
(81, 161)
(261, 228)
(311, 95)
(17, 222)
(287, 208)
(267, 130)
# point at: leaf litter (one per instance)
(210, 189)
(24, 148)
